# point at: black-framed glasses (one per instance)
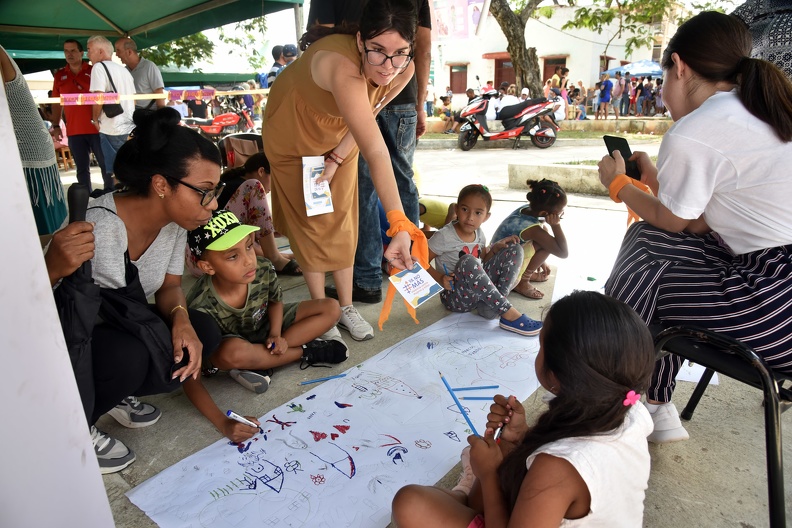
(206, 196)
(377, 58)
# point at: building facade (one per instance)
(466, 44)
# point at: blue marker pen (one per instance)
(452, 280)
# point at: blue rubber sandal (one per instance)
(523, 325)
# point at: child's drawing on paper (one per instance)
(336, 455)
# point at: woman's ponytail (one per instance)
(717, 48)
(766, 93)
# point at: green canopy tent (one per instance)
(174, 79)
(31, 61)
(45, 24)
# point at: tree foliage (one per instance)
(244, 36)
(182, 52)
(633, 19)
(636, 19)
(186, 51)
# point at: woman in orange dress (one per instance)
(324, 104)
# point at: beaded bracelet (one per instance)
(335, 158)
(618, 183)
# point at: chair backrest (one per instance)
(235, 149)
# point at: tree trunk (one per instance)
(524, 59)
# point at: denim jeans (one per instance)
(110, 146)
(625, 103)
(397, 124)
(81, 146)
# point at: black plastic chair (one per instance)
(719, 353)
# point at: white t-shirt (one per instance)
(560, 112)
(448, 247)
(722, 161)
(493, 108)
(614, 466)
(509, 100)
(120, 124)
(181, 108)
(164, 255)
(430, 93)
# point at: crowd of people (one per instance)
(714, 246)
(92, 135)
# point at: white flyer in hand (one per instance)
(415, 285)
(317, 195)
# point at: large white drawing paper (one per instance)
(317, 194)
(335, 456)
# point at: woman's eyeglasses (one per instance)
(377, 58)
(206, 196)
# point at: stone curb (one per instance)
(581, 179)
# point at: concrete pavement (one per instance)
(715, 479)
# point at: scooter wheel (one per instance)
(467, 139)
(542, 142)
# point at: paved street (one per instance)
(490, 166)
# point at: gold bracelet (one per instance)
(618, 183)
(177, 307)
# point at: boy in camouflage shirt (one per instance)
(242, 293)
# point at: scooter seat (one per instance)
(197, 121)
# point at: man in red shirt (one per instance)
(83, 136)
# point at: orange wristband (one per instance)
(618, 183)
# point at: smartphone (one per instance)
(619, 143)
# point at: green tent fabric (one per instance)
(45, 24)
(31, 61)
(202, 79)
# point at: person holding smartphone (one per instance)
(714, 248)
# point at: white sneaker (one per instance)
(353, 322)
(133, 413)
(332, 335)
(253, 380)
(667, 426)
(111, 454)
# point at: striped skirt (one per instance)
(679, 278)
